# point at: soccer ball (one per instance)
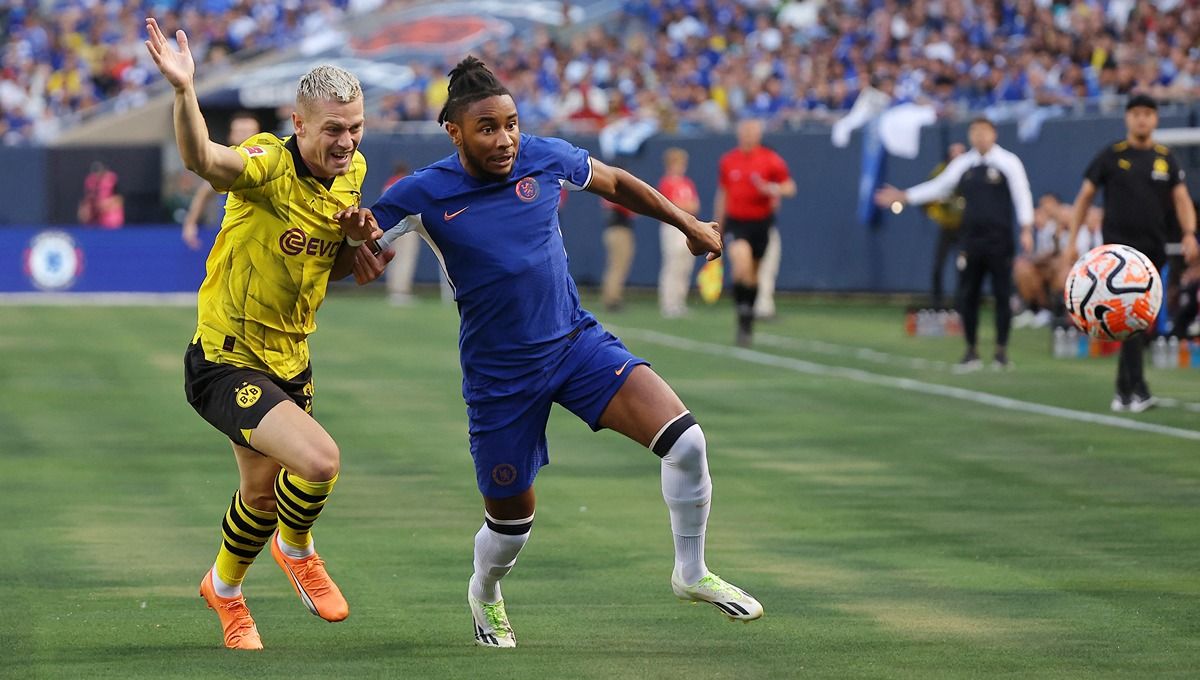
(1113, 292)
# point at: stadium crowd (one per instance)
(808, 59)
(62, 58)
(672, 65)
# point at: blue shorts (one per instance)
(508, 434)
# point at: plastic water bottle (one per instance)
(1083, 344)
(925, 323)
(1060, 343)
(1158, 353)
(953, 323)
(1172, 352)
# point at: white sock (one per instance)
(495, 555)
(689, 558)
(222, 588)
(294, 552)
(687, 489)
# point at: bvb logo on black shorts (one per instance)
(247, 395)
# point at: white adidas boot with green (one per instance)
(735, 603)
(492, 628)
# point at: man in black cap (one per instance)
(1143, 187)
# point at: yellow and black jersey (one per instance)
(1139, 204)
(269, 267)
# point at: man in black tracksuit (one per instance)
(1143, 189)
(993, 186)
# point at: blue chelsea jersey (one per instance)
(501, 248)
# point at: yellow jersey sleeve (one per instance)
(267, 160)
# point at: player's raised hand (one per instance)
(358, 224)
(368, 266)
(176, 66)
(705, 238)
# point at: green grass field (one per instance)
(894, 523)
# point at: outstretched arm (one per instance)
(624, 189)
(219, 165)
(936, 189)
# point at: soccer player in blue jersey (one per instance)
(490, 213)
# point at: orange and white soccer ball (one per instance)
(1113, 292)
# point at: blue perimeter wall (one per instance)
(825, 249)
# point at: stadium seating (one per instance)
(82, 56)
(695, 65)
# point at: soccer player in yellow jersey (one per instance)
(247, 369)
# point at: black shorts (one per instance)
(234, 399)
(619, 219)
(754, 232)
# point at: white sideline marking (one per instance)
(877, 357)
(1175, 403)
(908, 384)
(99, 299)
(861, 353)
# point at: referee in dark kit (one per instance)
(992, 183)
(1143, 187)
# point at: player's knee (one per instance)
(322, 461)
(680, 443)
(509, 527)
(690, 452)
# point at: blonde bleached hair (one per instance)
(327, 83)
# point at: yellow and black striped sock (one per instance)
(300, 502)
(244, 532)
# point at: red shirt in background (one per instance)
(678, 189)
(743, 199)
